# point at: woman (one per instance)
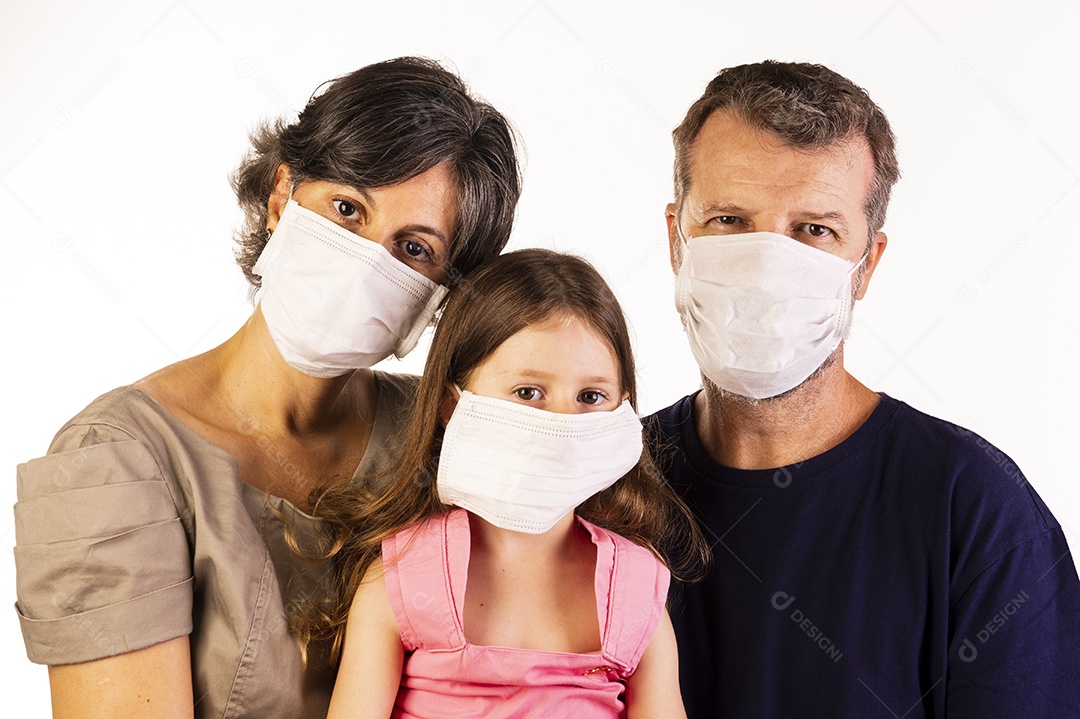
(153, 573)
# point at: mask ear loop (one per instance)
(684, 242)
(856, 268)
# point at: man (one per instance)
(870, 560)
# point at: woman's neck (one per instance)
(244, 385)
(254, 375)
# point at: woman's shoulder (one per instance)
(122, 414)
(123, 436)
(396, 388)
(393, 412)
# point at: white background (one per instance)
(121, 122)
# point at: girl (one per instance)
(518, 605)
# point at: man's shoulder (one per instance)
(939, 441)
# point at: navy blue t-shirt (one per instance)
(911, 571)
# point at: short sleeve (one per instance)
(1014, 636)
(102, 559)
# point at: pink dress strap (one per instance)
(424, 567)
(631, 589)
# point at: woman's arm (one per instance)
(653, 689)
(370, 671)
(152, 682)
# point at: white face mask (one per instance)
(335, 302)
(762, 311)
(523, 468)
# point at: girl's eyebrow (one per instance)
(527, 372)
(544, 374)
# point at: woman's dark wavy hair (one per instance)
(504, 296)
(382, 125)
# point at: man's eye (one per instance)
(816, 230)
(527, 394)
(727, 219)
(591, 397)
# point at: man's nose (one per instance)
(770, 224)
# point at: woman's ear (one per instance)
(279, 197)
(449, 402)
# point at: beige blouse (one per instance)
(134, 530)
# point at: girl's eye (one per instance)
(591, 397)
(527, 394)
(345, 208)
(414, 249)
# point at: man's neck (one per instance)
(764, 434)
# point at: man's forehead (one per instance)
(726, 133)
(732, 158)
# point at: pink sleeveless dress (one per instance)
(445, 677)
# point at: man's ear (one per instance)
(279, 197)
(674, 243)
(877, 249)
(447, 405)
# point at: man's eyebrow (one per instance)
(833, 218)
(722, 208)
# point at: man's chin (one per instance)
(734, 398)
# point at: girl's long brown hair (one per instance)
(506, 295)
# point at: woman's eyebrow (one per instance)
(427, 230)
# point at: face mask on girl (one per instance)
(762, 311)
(334, 301)
(523, 468)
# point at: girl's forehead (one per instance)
(561, 344)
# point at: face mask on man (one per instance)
(523, 468)
(334, 301)
(762, 311)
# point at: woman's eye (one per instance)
(527, 394)
(414, 249)
(591, 397)
(345, 208)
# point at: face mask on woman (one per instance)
(334, 301)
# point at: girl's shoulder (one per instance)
(629, 555)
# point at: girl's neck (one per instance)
(567, 536)
(532, 591)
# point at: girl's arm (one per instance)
(370, 671)
(653, 689)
